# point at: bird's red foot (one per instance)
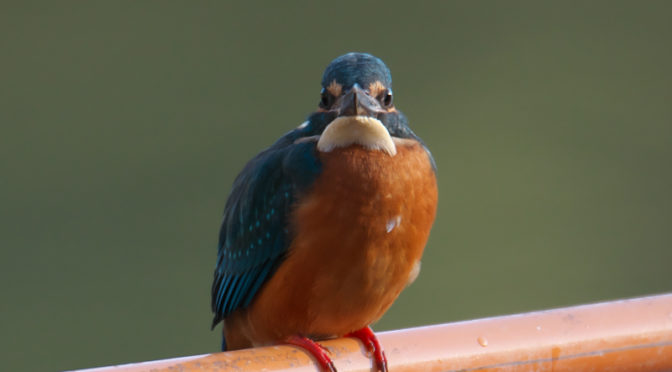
(316, 350)
(371, 343)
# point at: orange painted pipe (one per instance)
(627, 335)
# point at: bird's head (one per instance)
(357, 84)
(357, 107)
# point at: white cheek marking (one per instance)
(392, 223)
(303, 125)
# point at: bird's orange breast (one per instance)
(359, 232)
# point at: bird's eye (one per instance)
(386, 99)
(325, 99)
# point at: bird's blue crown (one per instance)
(360, 68)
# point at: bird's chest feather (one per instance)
(358, 234)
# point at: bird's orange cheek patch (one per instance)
(335, 88)
(376, 88)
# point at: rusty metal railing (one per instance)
(627, 335)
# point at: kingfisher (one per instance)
(325, 228)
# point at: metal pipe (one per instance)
(626, 335)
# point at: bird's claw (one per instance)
(319, 352)
(372, 345)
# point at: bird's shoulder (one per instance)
(255, 232)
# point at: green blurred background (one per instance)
(123, 125)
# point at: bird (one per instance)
(324, 229)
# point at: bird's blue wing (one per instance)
(255, 233)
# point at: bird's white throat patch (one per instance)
(361, 130)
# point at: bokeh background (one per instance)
(124, 123)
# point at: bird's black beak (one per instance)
(357, 102)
